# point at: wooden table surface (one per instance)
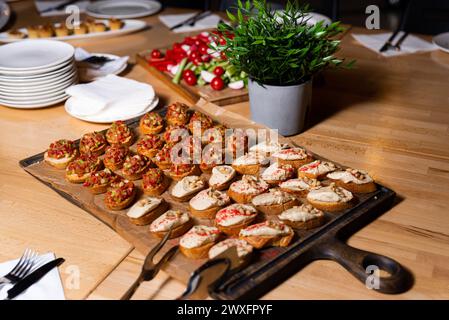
(387, 116)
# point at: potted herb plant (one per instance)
(280, 52)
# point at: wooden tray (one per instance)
(194, 93)
(271, 265)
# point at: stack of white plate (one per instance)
(35, 73)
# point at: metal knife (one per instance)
(33, 277)
(194, 18)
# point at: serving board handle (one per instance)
(365, 266)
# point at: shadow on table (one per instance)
(338, 90)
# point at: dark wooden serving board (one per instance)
(194, 93)
(270, 266)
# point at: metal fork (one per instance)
(149, 268)
(25, 265)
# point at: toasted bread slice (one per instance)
(277, 208)
(306, 225)
(204, 214)
(195, 171)
(260, 242)
(250, 169)
(198, 252)
(59, 163)
(160, 189)
(75, 178)
(137, 175)
(296, 163)
(240, 197)
(123, 204)
(357, 188)
(234, 230)
(330, 206)
(176, 232)
(150, 216)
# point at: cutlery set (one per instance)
(192, 20)
(28, 271)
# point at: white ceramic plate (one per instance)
(123, 9)
(68, 109)
(129, 27)
(30, 83)
(84, 77)
(33, 77)
(36, 73)
(50, 86)
(442, 41)
(33, 55)
(10, 95)
(32, 104)
(5, 14)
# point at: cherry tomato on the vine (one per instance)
(218, 71)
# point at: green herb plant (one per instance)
(279, 48)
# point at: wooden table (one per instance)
(388, 116)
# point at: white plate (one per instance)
(34, 55)
(37, 97)
(36, 73)
(129, 27)
(5, 14)
(38, 81)
(33, 77)
(122, 9)
(442, 41)
(32, 104)
(94, 119)
(48, 91)
(85, 78)
(41, 87)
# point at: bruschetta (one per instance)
(299, 186)
(296, 157)
(235, 217)
(151, 123)
(149, 145)
(120, 133)
(222, 177)
(135, 166)
(175, 134)
(331, 198)
(213, 156)
(244, 249)
(120, 195)
(177, 114)
(317, 169)
(199, 122)
(182, 170)
(80, 169)
(278, 173)
(93, 143)
(242, 191)
(269, 147)
(268, 233)
(154, 182)
(163, 157)
(216, 134)
(207, 202)
(185, 189)
(179, 222)
(115, 156)
(250, 163)
(354, 180)
(196, 243)
(303, 217)
(237, 143)
(98, 182)
(60, 153)
(274, 202)
(146, 210)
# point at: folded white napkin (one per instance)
(47, 288)
(110, 95)
(411, 44)
(207, 22)
(88, 72)
(42, 5)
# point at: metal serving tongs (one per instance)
(211, 274)
(149, 268)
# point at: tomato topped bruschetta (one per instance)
(80, 169)
(201, 121)
(163, 158)
(216, 134)
(94, 143)
(120, 195)
(150, 145)
(120, 133)
(174, 134)
(177, 114)
(115, 156)
(237, 143)
(212, 157)
(151, 122)
(179, 171)
(154, 182)
(98, 182)
(135, 166)
(60, 153)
